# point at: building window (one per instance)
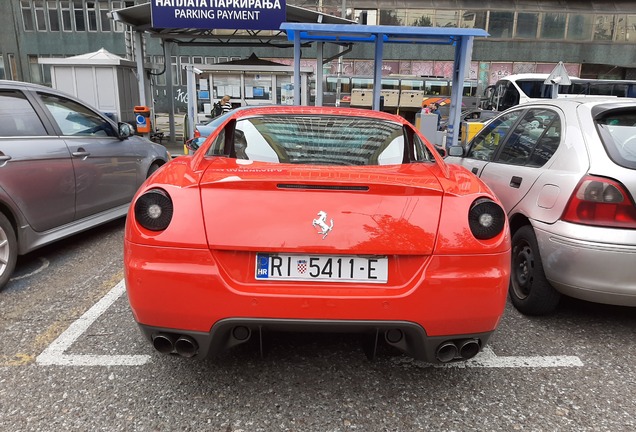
(78, 11)
(390, 17)
(2, 67)
(527, 25)
(553, 26)
(604, 28)
(420, 17)
(500, 24)
(40, 15)
(54, 15)
(35, 70)
(13, 68)
(91, 16)
(473, 19)
(27, 15)
(159, 71)
(67, 22)
(119, 27)
(103, 16)
(580, 27)
(630, 29)
(446, 18)
(175, 70)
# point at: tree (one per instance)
(423, 21)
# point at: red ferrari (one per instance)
(319, 220)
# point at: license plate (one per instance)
(322, 268)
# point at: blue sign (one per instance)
(141, 120)
(218, 14)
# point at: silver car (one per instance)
(64, 168)
(565, 171)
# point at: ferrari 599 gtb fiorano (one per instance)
(319, 220)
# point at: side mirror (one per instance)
(441, 151)
(456, 151)
(125, 130)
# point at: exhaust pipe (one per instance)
(446, 352)
(186, 346)
(469, 348)
(164, 342)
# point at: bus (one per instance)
(401, 94)
(515, 89)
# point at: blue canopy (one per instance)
(460, 38)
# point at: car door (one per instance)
(484, 146)
(520, 161)
(36, 173)
(105, 166)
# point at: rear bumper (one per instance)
(588, 263)
(409, 338)
(187, 292)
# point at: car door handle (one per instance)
(475, 170)
(515, 182)
(81, 153)
(4, 159)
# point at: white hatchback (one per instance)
(565, 171)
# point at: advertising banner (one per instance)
(218, 14)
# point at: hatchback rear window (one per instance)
(618, 133)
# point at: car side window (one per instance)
(486, 142)
(533, 139)
(74, 119)
(17, 116)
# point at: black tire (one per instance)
(530, 291)
(8, 250)
(153, 167)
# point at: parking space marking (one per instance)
(488, 359)
(54, 353)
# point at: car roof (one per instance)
(584, 100)
(23, 85)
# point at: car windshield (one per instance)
(618, 132)
(321, 140)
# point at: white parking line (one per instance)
(54, 353)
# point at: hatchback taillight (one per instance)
(197, 134)
(601, 202)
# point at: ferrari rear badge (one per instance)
(321, 223)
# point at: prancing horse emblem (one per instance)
(322, 223)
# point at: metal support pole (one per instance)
(463, 49)
(319, 65)
(170, 89)
(297, 82)
(377, 73)
(141, 74)
(192, 99)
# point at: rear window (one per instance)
(618, 133)
(321, 140)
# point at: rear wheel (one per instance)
(8, 250)
(530, 291)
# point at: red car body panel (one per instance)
(200, 270)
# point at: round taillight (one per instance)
(486, 219)
(153, 210)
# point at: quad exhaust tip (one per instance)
(183, 345)
(461, 349)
